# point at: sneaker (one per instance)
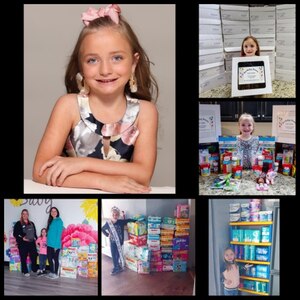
(27, 274)
(50, 275)
(40, 273)
(120, 270)
(54, 276)
(114, 272)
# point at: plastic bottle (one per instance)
(234, 161)
(276, 164)
(260, 160)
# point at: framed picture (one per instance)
(209, 123)
(284, 123)
(251, 76)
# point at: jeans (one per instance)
(53, 257)
(42, 260)
(115, 255)
(233, 292)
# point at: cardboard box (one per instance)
(286, 12)
(68, 272)
(286, 39)
(208, 71)
(210, 44)
(234, 12)
(262, 28)
(235, 27)
(286, 52)
(285, 75)
(209, 13)
(285, 63)
(212, 82)
(210, 29)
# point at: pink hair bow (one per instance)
(112, 11)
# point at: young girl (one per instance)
(54, 231)
(250, 47)
(231, 273)
(108, 133)
(247, 144)
(114, 229)
(41, 242)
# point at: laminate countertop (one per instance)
(283, 185)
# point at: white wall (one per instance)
(50, 33)
(70, 211)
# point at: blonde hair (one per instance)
(147, 85)
(248, 117)
(228, 264)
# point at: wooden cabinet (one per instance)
(260, 110)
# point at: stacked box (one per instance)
(235, 23)
(166, 241)
(137, 228)
(137, 258)
(14, 261)
(69, 263)
(286, 42)
(153, 242)
(138, 240)
(181, 241)
(262, 26)
(182, 211)
(211, 60)
(92, 267)
(81, 260)
(82, 256)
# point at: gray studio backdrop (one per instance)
(50, 33)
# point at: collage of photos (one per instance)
(188, 183)
(247, 145)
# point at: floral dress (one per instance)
(248, 149)
(86, 139)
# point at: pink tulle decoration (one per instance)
(84, 232)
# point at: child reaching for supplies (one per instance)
(114, 229)
(106, 124)
(41, 243)
(230, 273)
(247, 144)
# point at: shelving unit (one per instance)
(258, 236)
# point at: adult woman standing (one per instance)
(25, 234)
(54, 231)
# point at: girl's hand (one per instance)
(228, 281)
(122, 184)
(25, 239)
(59, 168)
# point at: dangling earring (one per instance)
(133, 83)
(83, 90)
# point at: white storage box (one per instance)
(209, 13)
(211, 58)
(285, 75)
(285, 63)
(213, 82)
